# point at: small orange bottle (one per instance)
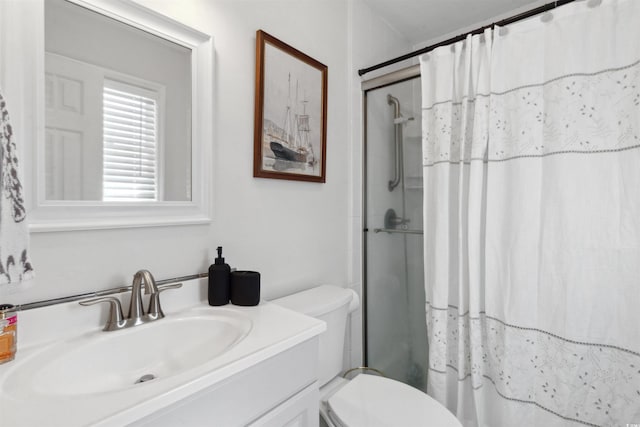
(8, 332)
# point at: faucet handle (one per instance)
(155, 310)
(116, 319)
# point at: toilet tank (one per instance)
(331, 304)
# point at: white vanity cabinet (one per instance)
(277, 392)
(301, 410)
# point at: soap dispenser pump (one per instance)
(219, 278)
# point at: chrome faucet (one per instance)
(136, 315)
(136, 312)
(154, 312)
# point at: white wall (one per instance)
(296, 234)
(292, 232)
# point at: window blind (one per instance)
(130, 143)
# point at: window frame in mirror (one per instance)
(59, 215)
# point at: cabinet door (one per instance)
(302, 410)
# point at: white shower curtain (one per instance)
(531, 154)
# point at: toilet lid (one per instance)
(373, 401)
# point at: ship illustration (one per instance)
(291, 142)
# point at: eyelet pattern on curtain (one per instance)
(593, 113)
(531, 158)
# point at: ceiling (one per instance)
(422, 21)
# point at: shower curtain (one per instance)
(531, 155)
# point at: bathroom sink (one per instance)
(103, 362)
(235, 362)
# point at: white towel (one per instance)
(14, 235)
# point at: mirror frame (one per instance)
(60, 215)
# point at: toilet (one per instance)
(366, 400)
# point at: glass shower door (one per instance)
(395, 328)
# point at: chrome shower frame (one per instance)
(389, 79)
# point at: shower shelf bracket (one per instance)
(400, 231)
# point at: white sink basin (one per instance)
(103, 362)
(68, 372)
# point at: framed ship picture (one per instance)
(290, 129)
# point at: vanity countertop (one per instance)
(44, 331)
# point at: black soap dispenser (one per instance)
(219, 277)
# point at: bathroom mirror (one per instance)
(127, 118)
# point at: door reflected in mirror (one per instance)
(118, 114)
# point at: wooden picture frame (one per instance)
(290, 127)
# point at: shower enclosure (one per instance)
(395, 338)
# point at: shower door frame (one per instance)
(392, 78)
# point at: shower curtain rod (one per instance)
(507, 21)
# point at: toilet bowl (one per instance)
(366, 400)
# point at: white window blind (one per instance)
(130, 149)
